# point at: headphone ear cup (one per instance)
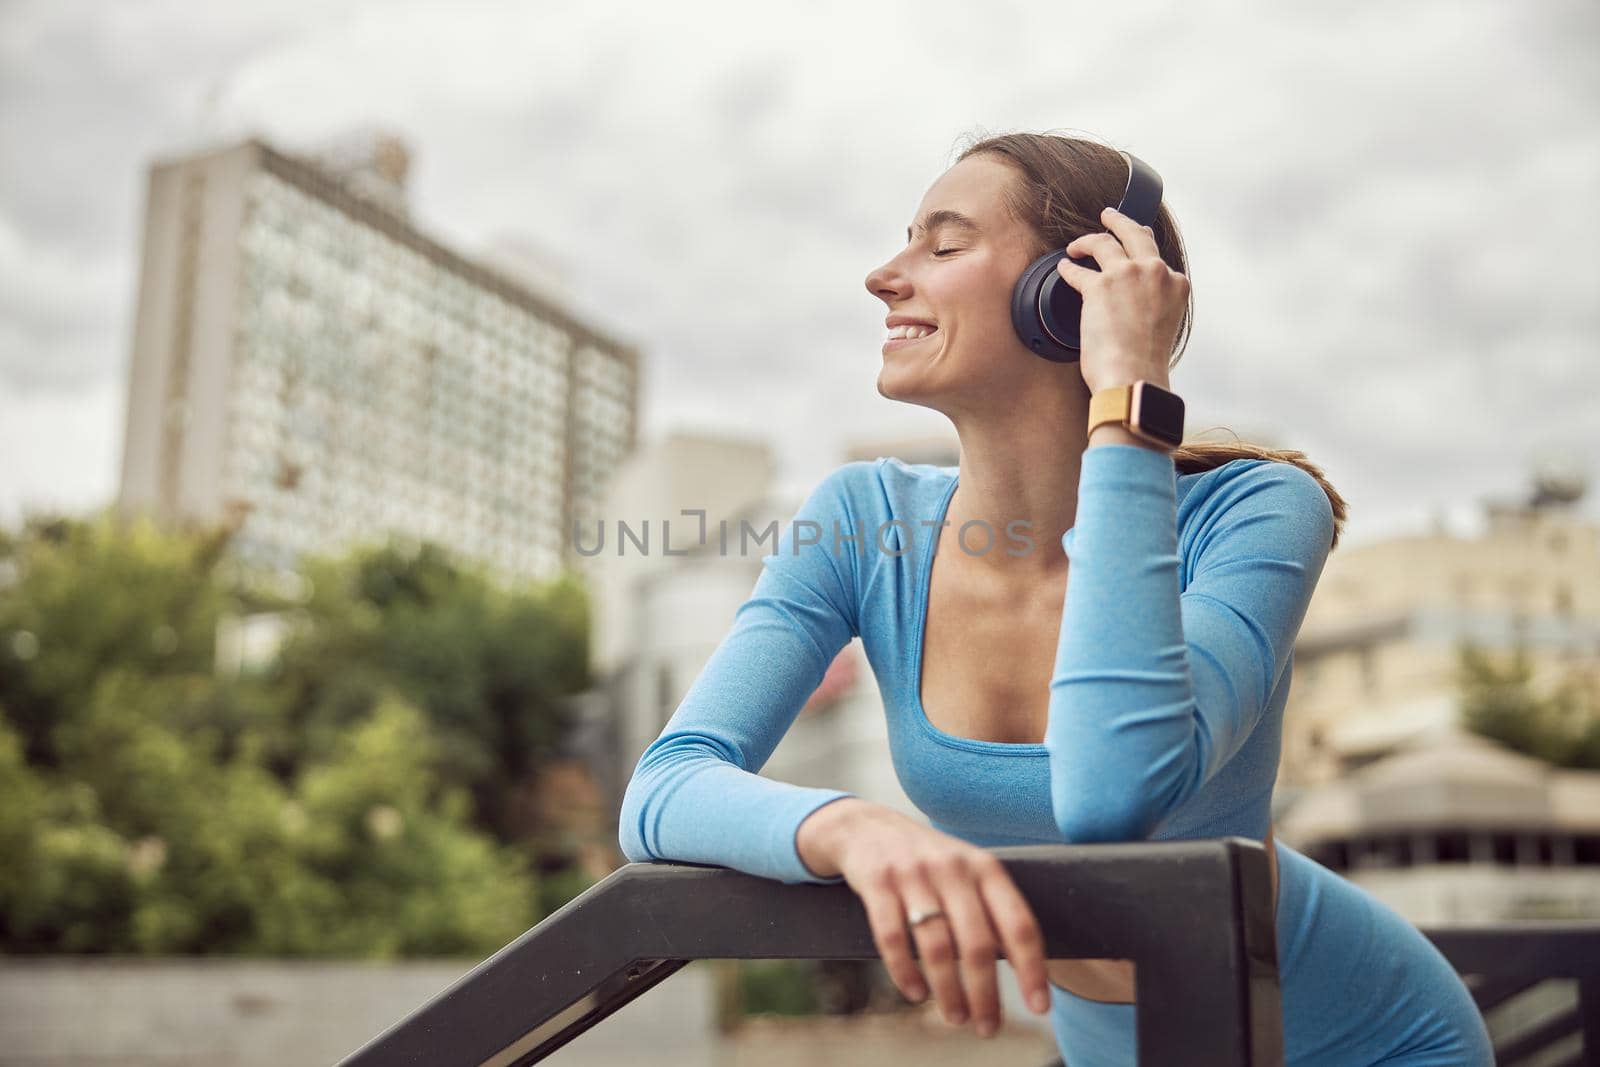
(1045, 310)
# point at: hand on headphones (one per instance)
(1132, 306)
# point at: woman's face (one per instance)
(956, 276)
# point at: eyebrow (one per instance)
(944, 217)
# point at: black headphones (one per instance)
(1046, 310)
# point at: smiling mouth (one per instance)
(896, 341)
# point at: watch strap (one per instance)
(1111, 405)
(1116, 405)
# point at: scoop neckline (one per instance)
(924, 588)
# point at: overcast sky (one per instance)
(1390, 209)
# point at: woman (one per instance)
(1128, 685)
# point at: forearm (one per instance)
(1166, 664)
(1120, 708)
(697, 794)
(687, 806)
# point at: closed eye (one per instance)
(943, 251)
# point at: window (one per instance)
(1586, 849)
(1505, 849)
(1452, 848)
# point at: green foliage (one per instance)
(778, 987)
(92, 595)
(1561, 726)
(64, 874)
(350, 799)
(490, 666)
(559, 887)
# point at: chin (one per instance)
(907, 388)
(892, 382)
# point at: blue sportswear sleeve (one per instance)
(695, 795)
(1153, 690)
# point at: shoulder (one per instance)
(883, 506)
(1272, 495)
(842, 495)
(851, 479)
(882, 488)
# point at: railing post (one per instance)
(1199, 925)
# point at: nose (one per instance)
(886, 282)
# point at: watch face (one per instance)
(1160, 414)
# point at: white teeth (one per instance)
(896, 332)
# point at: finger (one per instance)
(1104, 247)
(1019, 933)
(977, 947)
(887, 918)
(1137, 238)
(936, 948)
(1077, 275)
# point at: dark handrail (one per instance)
(1500, 960)
(1196, 917)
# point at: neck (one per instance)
(1020, 465)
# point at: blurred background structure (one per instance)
(308, 362)
(330, 341)
(1442, 740)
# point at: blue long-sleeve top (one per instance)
(1184, 595)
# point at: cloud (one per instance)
(58, 311)
(1386, 207)
(63, 449)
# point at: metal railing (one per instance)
(1500, 961)
(1195, 916)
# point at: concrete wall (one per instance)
(85, 1012)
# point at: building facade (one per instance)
(310, 366)
(1380, 778)
(1376, 659)
(1451, 827)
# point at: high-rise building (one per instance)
(309, 364)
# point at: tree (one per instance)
(491, 667)
(1500, 701)
(89, 595)
(154, 849)
(351, 799)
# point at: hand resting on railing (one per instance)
(901, 868)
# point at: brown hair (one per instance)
(1064, 182)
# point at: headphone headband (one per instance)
(1141, 198)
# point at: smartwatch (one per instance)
(1144, 409)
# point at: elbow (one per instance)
(665, 765)
(1102, 817)
(630, 835)
(633, 849)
